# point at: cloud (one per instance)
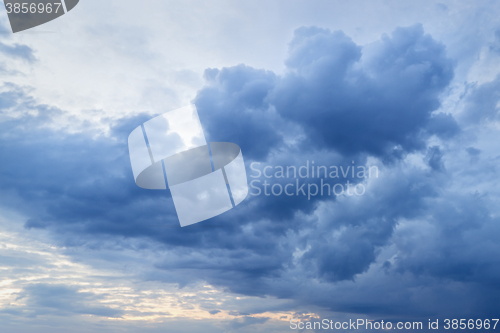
(434, 158)
(11, 53)
(63, 300)
(337, 103)
(364, 100)
(246, 321)
(233, 106)
(482, 103)
(17, 51)
(342, 96)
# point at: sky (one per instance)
(411, 88)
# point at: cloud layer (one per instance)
(419, 243)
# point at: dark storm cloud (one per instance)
(363, 228)
(61, 300)
(71, 180)
(336, 97)
(463, 231)
(364, 100)
(443, 125)
(336, 104)
(345, 97)
(233, 107)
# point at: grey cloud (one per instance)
(365, 100)
(338, 102)
(61, 300)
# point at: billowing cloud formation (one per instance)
(418, 241)
(235, 105)
(364, 101)
(377, 100)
